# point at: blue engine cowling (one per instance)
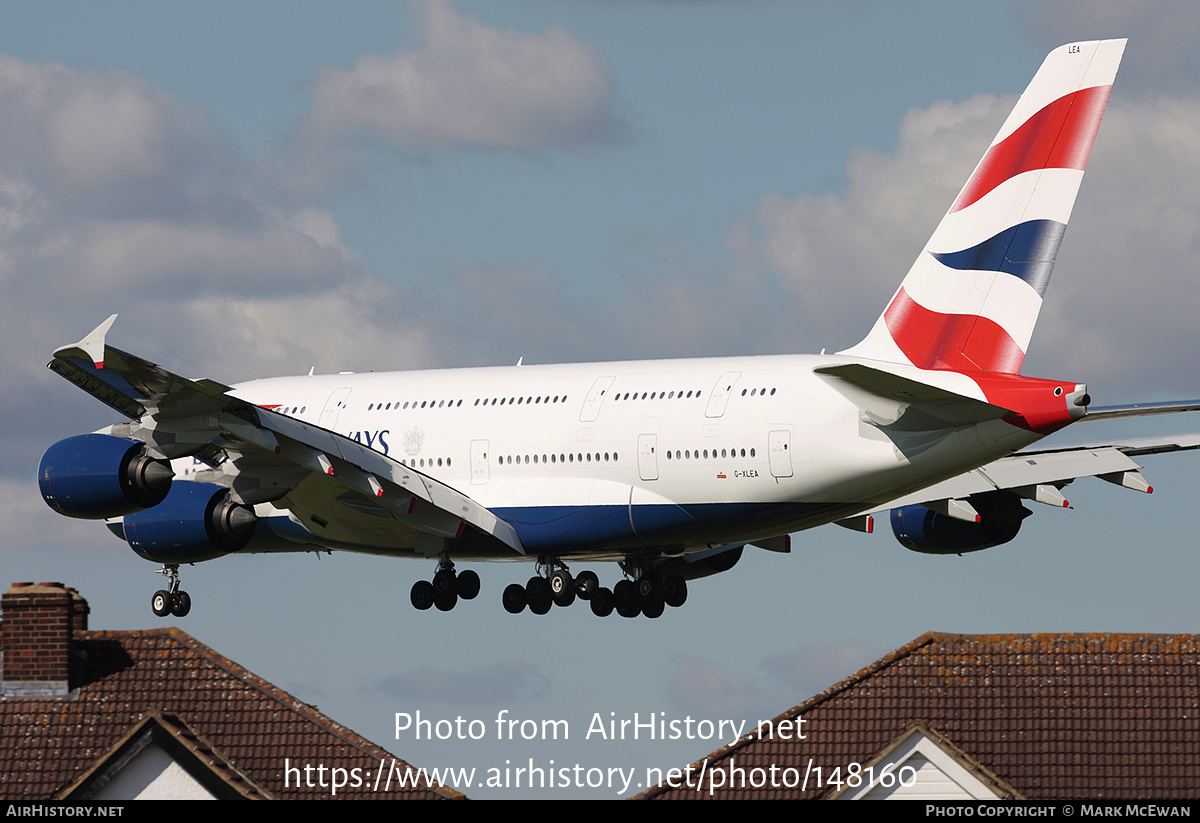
(93, 476)
(197, 521)
(921, 529)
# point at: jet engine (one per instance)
(196, 521)
(94, 476)
(921, 529)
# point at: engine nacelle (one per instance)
(921, 529)
(93, 476)
(197, 521)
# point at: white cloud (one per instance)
(107, 142)
(1124, 297)
(840, 255)
(114, 198)
(98, 138)
(470, 85)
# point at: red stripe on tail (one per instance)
(961, 342)
(1060, 136)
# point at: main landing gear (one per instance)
(171, 600)
(446, 588)
(648, 594)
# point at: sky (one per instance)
(264, 188)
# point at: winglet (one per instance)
(92, 346)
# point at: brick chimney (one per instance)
(36, 640)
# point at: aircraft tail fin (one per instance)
(970, 301)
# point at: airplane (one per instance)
(671, 468)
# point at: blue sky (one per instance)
(651, 179)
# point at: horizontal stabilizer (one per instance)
(898, 403)
(1141, 409)
(1129, 446)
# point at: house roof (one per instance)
(209, 775)
(247, 724)
(1054, 716)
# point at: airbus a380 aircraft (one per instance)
(669, 467)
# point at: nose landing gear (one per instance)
(171, 600)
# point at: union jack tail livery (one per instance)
(970, 301)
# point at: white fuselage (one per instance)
(604, 457)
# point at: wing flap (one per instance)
(1055, 467)
(1022, 474)
(356, 466)
(1038, 473)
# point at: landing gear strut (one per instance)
(554, 586)
(171, 600)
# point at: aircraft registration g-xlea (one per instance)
(670, 467)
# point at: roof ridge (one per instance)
(185, 735)
(265, 687)
(815, 700)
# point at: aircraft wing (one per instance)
(1041, 472)
(327, 480)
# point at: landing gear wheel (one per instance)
(648, 586)
(181, 604)
(446, 601)
(538, 591)
(674, 590)
(167, 601)
(629, 610)
(514, 598)
(161, 603)
(587, 584)
(422, 595)
(468, 585)
(625, 594)
(540, 606)
(562, 587)
(444, 583)
(602, 602)
(560, 581)
(653, 607)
